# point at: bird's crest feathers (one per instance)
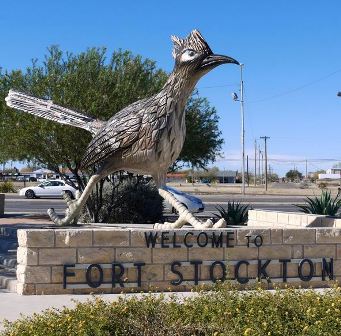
(193, 41)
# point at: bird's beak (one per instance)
(212, 61)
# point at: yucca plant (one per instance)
(234, 214)
(324, 204)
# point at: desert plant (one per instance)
(234, 214)
(322, 185)
(324, 204)
(7, 187)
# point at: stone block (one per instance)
(27, 256)
(320, 251)
(218, 272)
(148, 273)
(252, 215)
(33, 274)
(26, 289)
(241, 253)
(110, 237)
(36, 238)
(205, 253)
(328, 236)
(295, 219)
(276, 236)
(242, 233)
(337, 223)
(138, 254)
(95, 255)
(57, 256)
(169, 255)
(297, 251)
(299, 236)
(57, 275)
(338, 251)
(278, 252)
(283, 218)
(73, 238)
(138, 239)
(51, 289)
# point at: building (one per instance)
(331, 174)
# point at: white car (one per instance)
(50, 188)
(192, 203)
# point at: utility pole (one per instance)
(255, 162)
(266, 161)
(306, 169)
(259, 171)
(262, 164)
(242, 126)
(247, 170)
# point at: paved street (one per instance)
(20, 205)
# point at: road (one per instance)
(18, 204)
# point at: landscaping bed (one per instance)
(220, 311)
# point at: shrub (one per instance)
(134, 200)
(325, 204)
(219, 312)
(322, 185)
(235, 213)
(7, 187)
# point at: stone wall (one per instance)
(269, 218)
(56, 261)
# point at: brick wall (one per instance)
(42, 254)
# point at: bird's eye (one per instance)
(188, 55)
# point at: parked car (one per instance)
(192, 203)
(49, 188)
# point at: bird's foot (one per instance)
(72, 212)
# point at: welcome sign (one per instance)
(112, 260)
(94, 273)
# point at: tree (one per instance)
(203, 137)
(294, 175)
(315, 175)
(86, 82)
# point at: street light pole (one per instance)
(242, 135)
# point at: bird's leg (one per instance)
(74, 207)
(184, 215)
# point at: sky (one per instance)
(291, 51)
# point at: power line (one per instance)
(295, 89)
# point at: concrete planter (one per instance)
(273, 219)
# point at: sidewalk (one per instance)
(25, 219)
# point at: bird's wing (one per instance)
(48, 110)
(119, 133)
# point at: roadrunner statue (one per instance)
(145, 137)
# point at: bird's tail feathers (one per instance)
(48, 110)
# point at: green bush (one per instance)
(219, 312)
(324, 204)
(7, 187)
(234, 214)
(133, 200)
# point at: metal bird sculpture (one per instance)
(145, 137)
